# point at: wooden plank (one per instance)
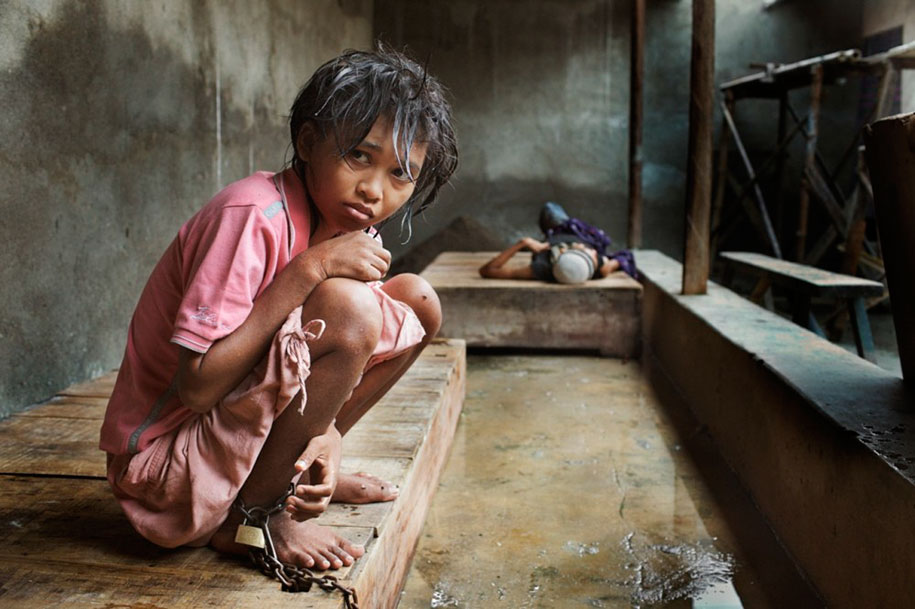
(460, 270)
(601, 314)
(69, 407)
(805, 279)
(68, 544)
(51, 446)
(379, 576)
(99, 387)
(890, 158)
(60, 437)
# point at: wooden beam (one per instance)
(890, 154)
(764, 223)
(699, 162)
(813, 119)
(636, 70)
(722, 182)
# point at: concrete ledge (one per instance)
(602, 314)
(823, 440)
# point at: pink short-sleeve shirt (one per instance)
(202, 289)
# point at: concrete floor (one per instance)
(576, 482)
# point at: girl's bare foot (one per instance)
(363, 488)
(305, 544)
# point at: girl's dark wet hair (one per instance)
(345, 97)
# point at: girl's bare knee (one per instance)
(351, 314)
(416, 292)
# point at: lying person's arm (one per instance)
(610, 265)
(497, 269)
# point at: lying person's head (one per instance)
(573, 262)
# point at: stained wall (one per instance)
(541, 90)
(117, 121)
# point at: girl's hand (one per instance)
(354, 255)
(320, 463)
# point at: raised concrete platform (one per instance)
(602, 314)
(65, 543)
(823, 440)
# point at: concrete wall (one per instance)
(541, 92)
(117, 121)
(882, 15)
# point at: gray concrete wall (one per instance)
(117, 121)
(541, 91)
(887, 14)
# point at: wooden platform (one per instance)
(602, 314)
(64, 541)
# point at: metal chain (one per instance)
(291, 577)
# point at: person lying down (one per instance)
(571, 252)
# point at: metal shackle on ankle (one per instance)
(255, 533)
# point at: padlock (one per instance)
(250, 536)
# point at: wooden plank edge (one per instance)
(379, 579)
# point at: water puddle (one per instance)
(663, 572)
(582, 549)
(443, 598)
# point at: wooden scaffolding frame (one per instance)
(846, 214)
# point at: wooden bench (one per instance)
(804, 283)
(65, 542)
(602, 314)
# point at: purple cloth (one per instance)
(597, 239)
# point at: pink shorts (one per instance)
(180, 488)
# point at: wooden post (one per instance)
(890, 153)
(780, 163)
(699, 162)
(722, 183)
(764, 223)
(816, 90)
(636, 69)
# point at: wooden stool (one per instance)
(806, 282)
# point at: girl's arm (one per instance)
(496, 269)
(205, 378)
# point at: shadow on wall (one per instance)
(107, 146)
(463, 234)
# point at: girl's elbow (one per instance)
(195, 400)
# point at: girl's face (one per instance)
(364, 187)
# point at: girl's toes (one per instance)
(353, 550)
(328, 560)
(343, 555)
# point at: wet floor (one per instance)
(573, 482)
